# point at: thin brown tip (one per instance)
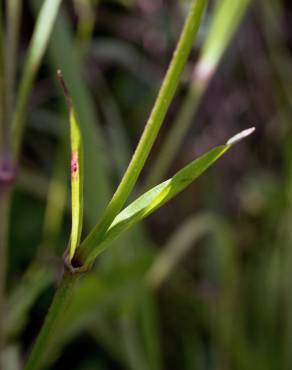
(64, 87)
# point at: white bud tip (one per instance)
(241, 135)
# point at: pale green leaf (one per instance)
(38, 44)
(157, 196)
(227, 16)
(76, 174)
(224, 22)
(76, 183)
(162, 193)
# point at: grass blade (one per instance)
(226, 18)
(62, 54)
(24, 295)
(76, 173)
(178, 245)
(160, 194)
(151, 130)
(41, 35)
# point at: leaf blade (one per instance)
(157, 197)
(162, 193)
(38, 44)
(76, 183)
(76, 173)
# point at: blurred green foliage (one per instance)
(205, 282)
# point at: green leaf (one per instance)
(76, 173)
(156, 197)
(227, 16)
(162, 193)
(24, 295)
(225, 20)
(183, 239)
(37, 48)
(151, 130)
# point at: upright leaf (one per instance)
(76, 173)
(37, 48)
(225, 20)
(153, 125)
(62, 53)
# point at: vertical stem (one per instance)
(58, 306)
(5, 199)
(151, 130)
(225, 20)
(176, 134)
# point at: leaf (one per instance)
(38, 44)
(62, 54)
(24, 295)
(224, 22)
(162, 193)
(151, 130)
(179, 244)
(76, 173)
(227, 16)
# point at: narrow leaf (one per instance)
(37, 48)
(225, 20)
(76, 173)
(151, 130)
(62, 54)
(162, 193)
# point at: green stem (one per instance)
(5, 199)
(176, 134)
(151, 130)
(225, 20)
(45, 337)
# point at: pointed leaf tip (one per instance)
(65, 89)
(240, 136)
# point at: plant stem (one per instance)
(176, 134)
(58, 306)
(225, 20)
(151, 130)
(5, 199)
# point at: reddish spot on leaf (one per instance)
(74, 165)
